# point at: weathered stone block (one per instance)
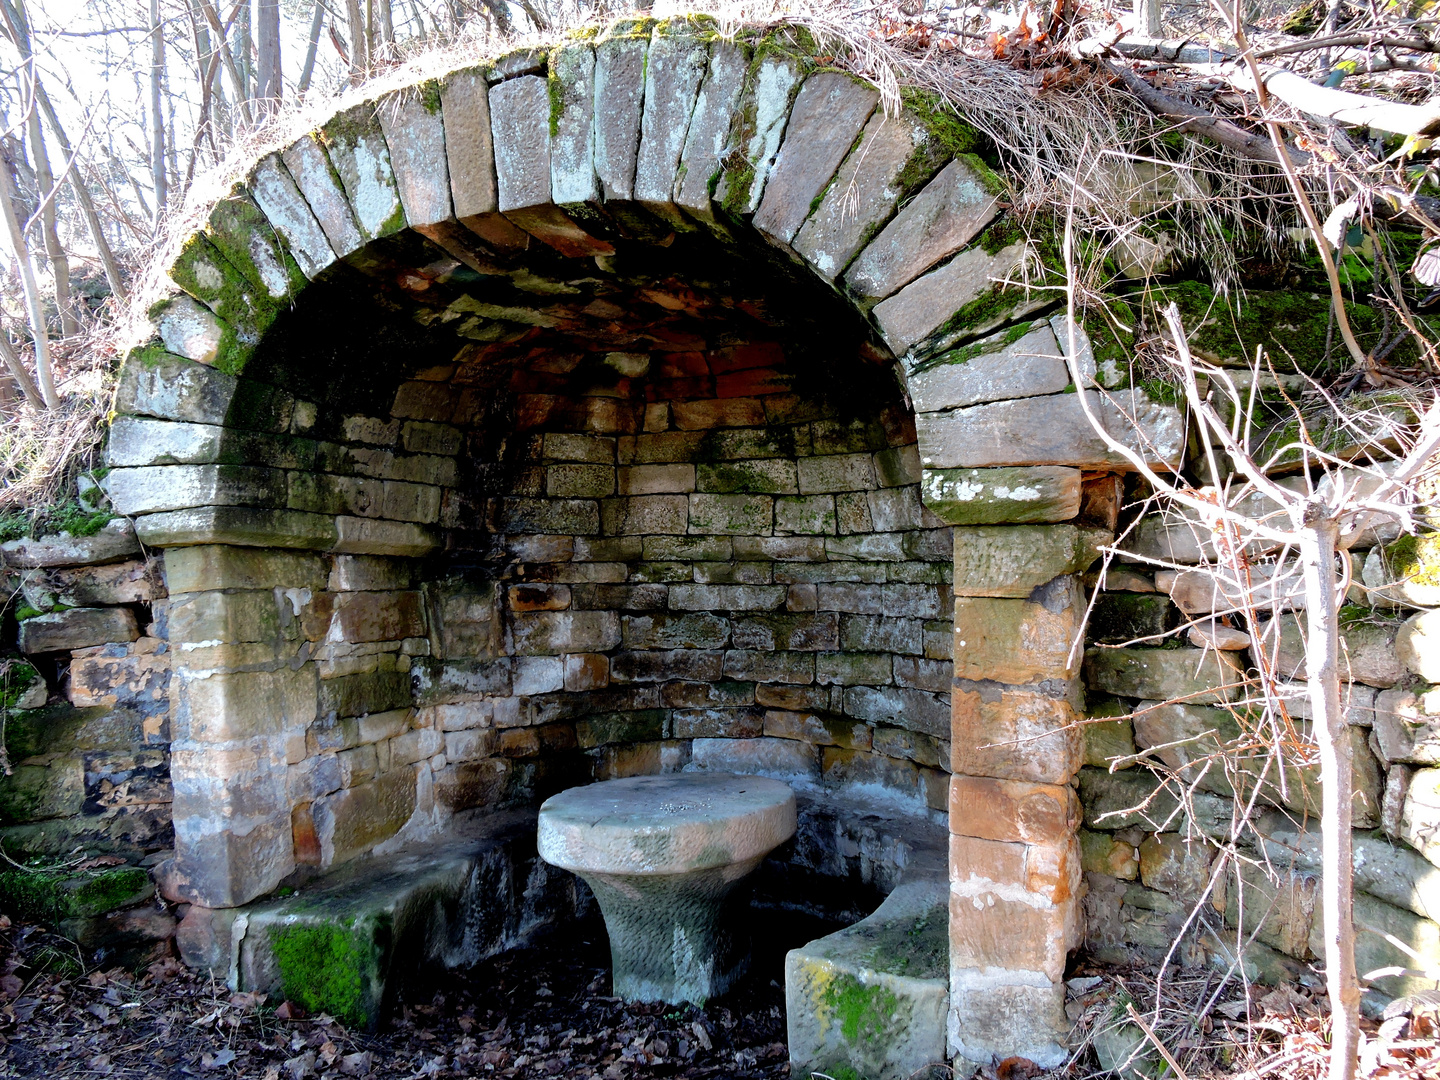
(1019, 641)
(555, 632)
(994, 369)
(364, 692)
(1193, 675)
(572, 125)
(1014, 734)
(674, 69)
(1013, 810)
(865, 191)
(994, 496)
(871, 999)
(216, 566)
(759, 122)
(1281, 908)
(1011, 561)
(1376, 652)
(781, 758)
(77, 628)
(620, 92)
(709, 127)
(995, 1014)
(1051, 430)
(353, 820)
(828, 114)
(357, 151)
(246, 526)
(917, 710)
(1101, 853)
(1124, 799)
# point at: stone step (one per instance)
(344, 945)
(870, 1001)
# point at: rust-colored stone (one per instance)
(1013, 810)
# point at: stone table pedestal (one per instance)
(665, 857)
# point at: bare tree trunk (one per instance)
(34, 305)
(387, 22)
(82, 196)
(268, 86)
(18, 372)
(244, 52)
(359, 60)
(227, 56)
(158, 175)
(317, 23)
(18, 23)
(1318, 541)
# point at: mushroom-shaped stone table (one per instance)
(664, 856)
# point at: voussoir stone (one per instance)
(709, 128)
(150, 489)
(673, 73)
(927, 303)
(994, 496)
(766, 100)
(865, 191)
(519, 115)
(356, 148)
(1011, 560)
(191, 330)
(944, 217)
(829, 112)
(309, 168)
(77, 628)
(572, 122)
(278, 196)
(415, 135)
(469, 145)
(619, 96)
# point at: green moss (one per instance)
(67, 517)
(1414, 558)
(149, 355)
(966, 353)
(866, 1013)
(944, 125)
(1165, 393)
(430, 96)
(25, 611)
(557, 98)
(325, 968)
(50, 895)
(1000, 235)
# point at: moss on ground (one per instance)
(49, 895)
(64, 517)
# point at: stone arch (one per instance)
(302, 514)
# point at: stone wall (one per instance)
(1147, 868)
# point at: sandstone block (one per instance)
(991, 930)
(572, 125)
(556, 632)
(77, 628)
(864, 191)
(1101, 853)
(620, 93)
(353, 820)
(765, 102)
(917, 710)
(114, 541)
(1125, 799)
(996, 1014)
(310, 172)
(1420, 821)
(1417, 645)
(357, 151)
(939, 221)
(709, 128)
(230, 866)
(893, 963)
(1372, 652)
(731, 514)
(993, 369)
(1050, 430)
(1176, 865)
(469, 149)
(1018, 641)
(674, 69)
(218, 566)
(828, 114)
(994, 496)
(1013, 734)
(1195, 676)
(246, 526)
(1013, 810)
(1011, 561)
(780, 758)
(1281, 907)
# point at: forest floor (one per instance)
(544, 1011)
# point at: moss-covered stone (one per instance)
(329, 967)
(51, 895)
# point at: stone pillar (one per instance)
(1014, 857)
(243, 694)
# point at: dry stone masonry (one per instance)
(658, 403)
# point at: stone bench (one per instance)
(870, 1001)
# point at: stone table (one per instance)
(664, 856)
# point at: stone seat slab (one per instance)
(871, 1000)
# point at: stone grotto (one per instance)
(487, 442)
